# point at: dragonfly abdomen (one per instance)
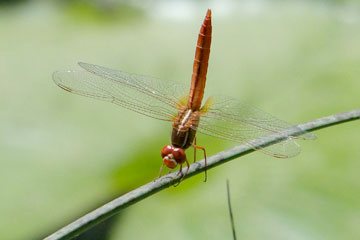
(200, 66)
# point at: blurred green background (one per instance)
(63, 155)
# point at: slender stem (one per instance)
(230, 209)
(115, 206)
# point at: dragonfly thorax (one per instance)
(184, 128)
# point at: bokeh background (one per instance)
(63, 155)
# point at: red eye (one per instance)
(179, 155)
(168, 149)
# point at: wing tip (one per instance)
(55, 77)
(311, 136)
(307, 136)
(82, 64)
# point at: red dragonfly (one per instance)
(220, 116)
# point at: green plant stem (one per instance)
(230, 210)
(115, 206)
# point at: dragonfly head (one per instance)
(173, 156)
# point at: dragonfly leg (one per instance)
(195, 149)
(183, 175)
(161, 169)
(180, 171)
(187, 170)
(202, 148)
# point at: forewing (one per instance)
(143, 94)
(233, 120)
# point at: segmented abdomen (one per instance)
(200, 67)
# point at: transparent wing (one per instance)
(233, 120)
(143, 94)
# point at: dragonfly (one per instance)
(220, 116)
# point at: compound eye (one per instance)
(168, 149)
(179, 155)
